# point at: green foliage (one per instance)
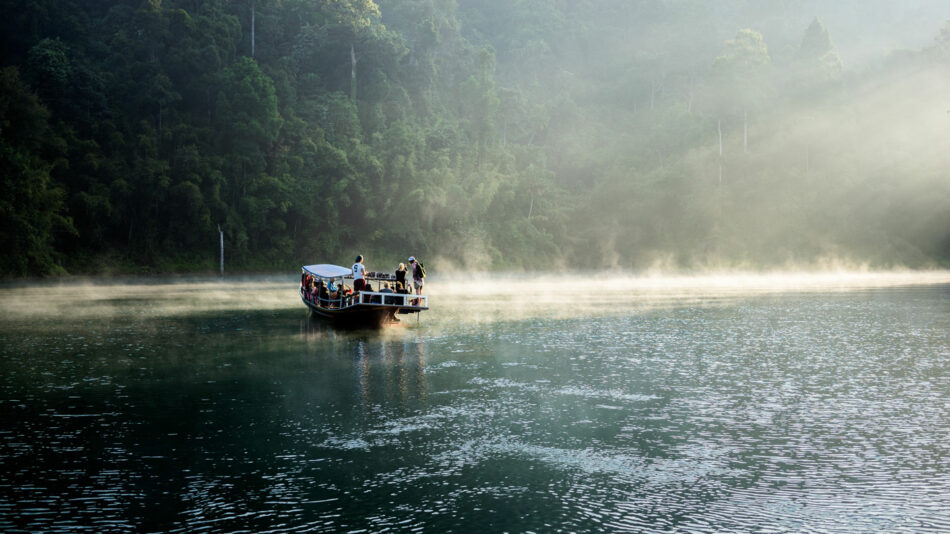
(817, 61)
(31, 207)
(520, 134)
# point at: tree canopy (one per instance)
(511, 135)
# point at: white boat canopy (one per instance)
(326, 270)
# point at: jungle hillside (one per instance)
(135, 135)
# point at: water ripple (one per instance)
(800, 412)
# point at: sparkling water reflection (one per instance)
(739, 411)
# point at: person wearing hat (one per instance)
(417, 278)
(358, 270)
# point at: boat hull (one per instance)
(359, 315)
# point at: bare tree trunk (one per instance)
(252, 29)
(221, 234)
(353, 71)
(719, 188)
(531, 207)
(719, 127)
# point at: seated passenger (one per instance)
(344, 292)
(387, 289)
(373, 299)
(323, 294)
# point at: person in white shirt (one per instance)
(358, 269)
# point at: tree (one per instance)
(942, 42)
(816, 61)
(248, 127)
(31, 206)
(741, 69)
(356, 17)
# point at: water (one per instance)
(692, 405)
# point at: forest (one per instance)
(475, 134)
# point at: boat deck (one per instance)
(406, 303)
(360, 308)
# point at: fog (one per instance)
(534, 135)
(731, 135)
(487, 298)
(459, 299)
(863, 30)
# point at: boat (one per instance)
(369, 309)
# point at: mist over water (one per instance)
(708, 403)
(476, 296)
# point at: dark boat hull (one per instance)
(359, 315)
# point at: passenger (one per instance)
(368, 288)
(401, 288)
(344, 292)
(401, 274)
(358, 270)
(323, 294)
(313, 292)
(418, 278)
(387, 289)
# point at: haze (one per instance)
(478, 135)
(459, 299)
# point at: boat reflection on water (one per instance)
(389, 365)
(391, 370)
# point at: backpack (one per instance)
(422, 269)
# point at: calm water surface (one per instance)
(203, 406)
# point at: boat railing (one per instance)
(405, 300)
(323, 302)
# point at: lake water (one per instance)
(707, 404)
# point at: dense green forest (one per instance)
(476, 134)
